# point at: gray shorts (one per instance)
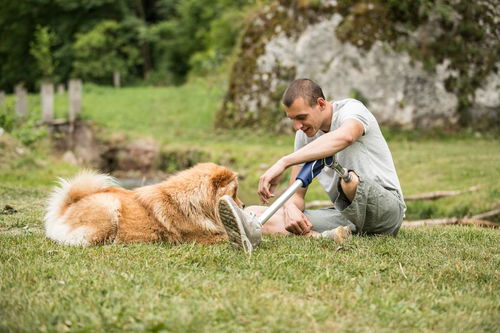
(374, 210)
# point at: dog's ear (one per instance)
(222, 177)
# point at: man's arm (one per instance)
(324, 146)
(328, 144)
(295, 221)
(298, 199)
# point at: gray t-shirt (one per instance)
(368, 156)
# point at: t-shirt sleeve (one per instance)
(300, 140)
(356, 110)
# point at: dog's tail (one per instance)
(70, 191)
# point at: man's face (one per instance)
(305, 117)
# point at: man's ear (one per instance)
(321, 102)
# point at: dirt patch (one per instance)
(10, 148)
(79, 144)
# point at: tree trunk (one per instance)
(143, 11)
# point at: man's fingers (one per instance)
(262, 197)
(304, 228)
(293, 228)
(271, 189)
(298, 227)
(262, 191)
(265, 190)
(307, 224)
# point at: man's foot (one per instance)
(339, 234)
(242, 228)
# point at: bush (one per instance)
(7, 116)
(29, 133)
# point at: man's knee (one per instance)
(257, 210)
(275, 225)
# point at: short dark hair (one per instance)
(309, 90)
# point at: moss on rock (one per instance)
(460, 32)
(285, 16)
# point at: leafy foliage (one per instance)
(40, 49)
(7, 116)
(221, 39)
(65, 18)
(108, 47)
(152, 39)
(196, 36)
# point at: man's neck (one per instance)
(327, 119)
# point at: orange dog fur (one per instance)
(87, 210)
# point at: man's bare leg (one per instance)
(350, 188)
(276, 224)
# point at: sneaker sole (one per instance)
(233, 226)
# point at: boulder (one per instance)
(404, 71)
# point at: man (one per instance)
(371, 203)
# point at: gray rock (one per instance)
(396, 87)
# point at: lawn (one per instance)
(426, 279)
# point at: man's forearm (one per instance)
(298, 198)
(326, 145)
(297, 201)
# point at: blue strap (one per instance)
(312, 169)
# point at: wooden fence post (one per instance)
(75, 99)
(21, 102)
(116, 79)
(2, 97)
(47, 100)
(61, 89)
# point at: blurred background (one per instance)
(143, 88)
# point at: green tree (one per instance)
(221, 38)
(166, 38)
(196, 35)
(40, 49)
(65, 18)
(107, 48)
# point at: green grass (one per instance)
(182, 114)
(426, 279)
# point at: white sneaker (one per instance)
(339, 234)
(242, 228)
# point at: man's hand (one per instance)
(269, 180)
(295, 221)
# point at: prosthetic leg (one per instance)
(305, 177)
(244, 229)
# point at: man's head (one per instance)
(305, 105)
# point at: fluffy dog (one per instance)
(88, 210)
